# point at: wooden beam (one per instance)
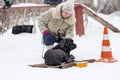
(30, 7)
(93, 14)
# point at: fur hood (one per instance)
(57, 15)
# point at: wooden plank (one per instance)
(30, 7)
(91, 13)
(63, 66)
(80, 63)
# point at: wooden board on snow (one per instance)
(81, 63)
(63, 66)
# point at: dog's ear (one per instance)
(62, 43)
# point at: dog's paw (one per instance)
(70, 60)
(72, 57)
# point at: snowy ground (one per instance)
(18, 51)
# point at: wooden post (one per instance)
(79, 21)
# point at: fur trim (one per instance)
(57, 15)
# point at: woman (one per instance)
(57, 23)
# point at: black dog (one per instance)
(60, 53)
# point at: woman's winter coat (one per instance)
(52, 20)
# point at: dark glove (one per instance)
(22, 28)
(48, 38)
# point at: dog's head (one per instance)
(67, 43)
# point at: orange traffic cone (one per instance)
(106, 53)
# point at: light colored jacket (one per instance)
(51, 20)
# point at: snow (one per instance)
(18, 51)
(23, 4)
(28, 4)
